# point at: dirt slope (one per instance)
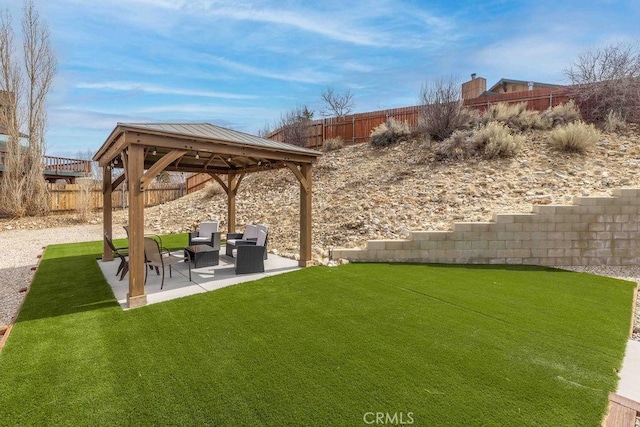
(363, 193)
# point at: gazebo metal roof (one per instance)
(144, 150)
(208, 148)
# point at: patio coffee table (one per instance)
(202, 254)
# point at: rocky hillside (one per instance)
(363, 193)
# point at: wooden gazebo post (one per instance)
(135, 168)
(305, 215)
(302, 171)
(107, 213)
(231, 202)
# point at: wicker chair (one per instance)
(207, 234)
(250, 258)
(156, 258)
(249, 237)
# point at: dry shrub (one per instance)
(503, 111)
(458, 146)
(389, 133)
(332, 144)
(576, 137)
(212, 189)
(563, 114)
(614, 122)
(516, 116)
(442, 112)
(530, 120)
(495, 140)
(439, 121)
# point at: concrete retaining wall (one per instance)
(591, 231)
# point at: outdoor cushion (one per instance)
(251, 232)
(207, 234)
(206, 229)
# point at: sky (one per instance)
(242, 64)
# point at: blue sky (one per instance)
(241, 64)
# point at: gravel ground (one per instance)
(20, 250)
(22, 247)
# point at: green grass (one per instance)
(452, 345)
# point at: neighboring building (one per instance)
(474, 87)
(477, 87)
(55, 168)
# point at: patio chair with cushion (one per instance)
(249, 237)
(121, 253)
(207, 234)
(250, 258)
(155, 257)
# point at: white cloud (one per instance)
(529, 57)
(304, 75)
(160, 90)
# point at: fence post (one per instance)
(353, 129)
(324, 132)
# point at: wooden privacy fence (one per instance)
(356, 128)
(197, 181)
(71, 197)
(536, 99)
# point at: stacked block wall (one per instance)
(591, 231)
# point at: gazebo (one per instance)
(144, 150)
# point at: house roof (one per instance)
(495, 88)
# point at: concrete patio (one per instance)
(203, 279)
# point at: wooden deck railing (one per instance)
(61, 164)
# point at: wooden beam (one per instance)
(240, 178)
(231, 202)
(222, 148)
(107, 213)
(297, 172)
(136, 296)
(305, 216)
(116, 148)
(125, 160)
(220, 181)
(117, 182)
(220, 170)
(206, 165)
(224, 161)
(159, 166)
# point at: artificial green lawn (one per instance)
(452, 345)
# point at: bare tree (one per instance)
(442, 112)
(295, 125)
(338, 105)
(12, 184)
(28, 87)
(607, 80)
(40, 67)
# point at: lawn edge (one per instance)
(7, 332)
